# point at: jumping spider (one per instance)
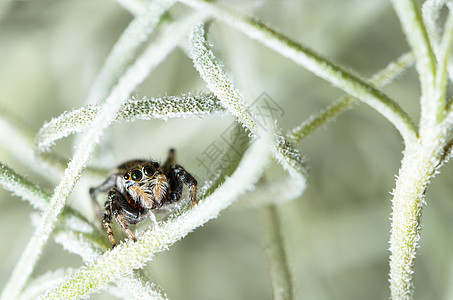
(139, 186)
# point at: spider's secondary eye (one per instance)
(136, 175)
(126, 176)
(149, 170)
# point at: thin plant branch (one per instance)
(419, 165)
(315, 63)
(153, 55)
(425, 62)
(430, 13)
(130, 285)
(38, 198)
(445, 52)
(23, 188)
(126, 48)
(380, 79)
(164, 108)
(135, 287)
(44, 282)
(281, 279)
(220, 84)
(132, 255)
(73, 236)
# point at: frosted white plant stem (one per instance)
(132, 255)
(430, 12)
(78, 120)
(425, 62)
(281, 279)
(39, 199)
(418, 167)
(153, 55)
(126, 48)
(21, 187)
(134, 287)
(380, 79)
(314, 63)
(130, 285)
(70, 237)
(289, 157)
(17, 138)
(45, 282)
(445, 52)
(221, 85)
(217, 81)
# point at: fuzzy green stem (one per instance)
(167, 107)
(131, 255)
(418, 167)
(21, 187)
(153, 55)
(328, 114)
(281, 279)
(315, 63)
(39, 199)
(425, 64)
(430, 12)
(126, 48)
(442, 69)
(221, 85)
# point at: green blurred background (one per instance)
(336, 234)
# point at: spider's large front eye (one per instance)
(149, 170)
(126, 176)
(136, 175)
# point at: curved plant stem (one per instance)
(21, 187)
(314, 63)
(153, 55)
(430, 12)
(445, 52)
(126, 48)
(419, 165)
(421, 159)
(217, 81)
(131, 255)
(278, 265)
(220, 84)
(79, 120)
(44, 282)
(132, 286)
(425, 64)
(39, 199)
(328, 114)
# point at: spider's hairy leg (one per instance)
(113, 206)
(189, 180)
(106, 221)
(104, 187)
(171, 160)
(120, 219)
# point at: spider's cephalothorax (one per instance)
(139, 186)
